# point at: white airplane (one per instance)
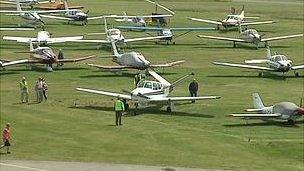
(275, 63)
(250, 36)
(160, 21)
(169, 32)
(73, 15)
(25, 2)
(43, 37)
(233, 20)
(148, 92)
(281, 111)
(34, 17)
(42, 55)
(137, 20)
(115, 35)
(132, 60)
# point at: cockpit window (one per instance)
(140, 84)
(114, 32)
(148, 85)
(278, 58)
(154, 86)
(284, 58)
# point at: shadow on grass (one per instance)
(8, 72)
(267, 123)
(149, 111)
(243, 46)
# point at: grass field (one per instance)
(195, 135)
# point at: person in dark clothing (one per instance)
(193, 88)
(60, 56)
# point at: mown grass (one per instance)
(195, 135)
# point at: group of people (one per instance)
(41, 88)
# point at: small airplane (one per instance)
(251, 36)
(43, 37)
(137, 20)
(233, 20)
(132, 60)
(57, 5)
(73, 15)
(152, 92)
(115, 35)
(281, 111)
(167, 31)
(275, 63)
(33, 17)
(42, 55)
(25, 2)
(161, 20)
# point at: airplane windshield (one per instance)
(114, 32)
(148, 85)
(140, 84)
(284, 58)
(278, 58)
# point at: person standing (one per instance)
(6, 137)
(24, 90)
(45, 87)
(60, 56)
(119, 109)
(40, 90)
(193, 88)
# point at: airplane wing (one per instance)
(56, 17)
(38, 12)
(116, 67)
(274, 115)
(63, 39)
(165, 99)
(16, 29)
(22, 61)
(170, 64)
(106, 93)
(90, 41)
(138, 16)
(205, 21)
(191, 28)
(54, 7)
(161, 6)
(144, 38)
(140, 28)
(159, 78)
(95, 18)
(281, 37)
(297, 67)
(222, 38)
(243, 66)
(76, 60)
(20, 39)
(257, 23)
(256, 61)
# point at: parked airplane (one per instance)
(73, 15)
(32, 16)
(275, 63)
(56, 5)
(167, 31)
(282, 111)
(115, 35)
(42, 55)
(43, 37)
(25, 2)
(137, 20)
(160, 21)
(251, 36)
(233, 20)
(148, 92)
(132, 60)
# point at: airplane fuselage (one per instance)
(251, 36)
(42, 37)
(232, 20)
(133, 59)
(115, 35)
(280, 63)
(44, 55)
(288, 111)
(76, 15)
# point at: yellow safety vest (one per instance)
(23, 85)
(119, 106)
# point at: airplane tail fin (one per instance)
(268, 52)
(243, 12)
(257, 101)
(18, 6)
(115, 51)
(66, 6)
(31, 46)
(105, 24)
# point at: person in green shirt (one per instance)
(24, 90)
(119, 108)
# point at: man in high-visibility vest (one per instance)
(24, 90)
(119, 108)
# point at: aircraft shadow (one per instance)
(267, 123)
(8, 73)
(238, 45)
(148, 111)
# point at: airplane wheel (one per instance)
(167, 43)
(169, 110)
(291, 122)
(234, 45)
(173, 43)
(297, 74)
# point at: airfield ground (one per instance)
(195, 135)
